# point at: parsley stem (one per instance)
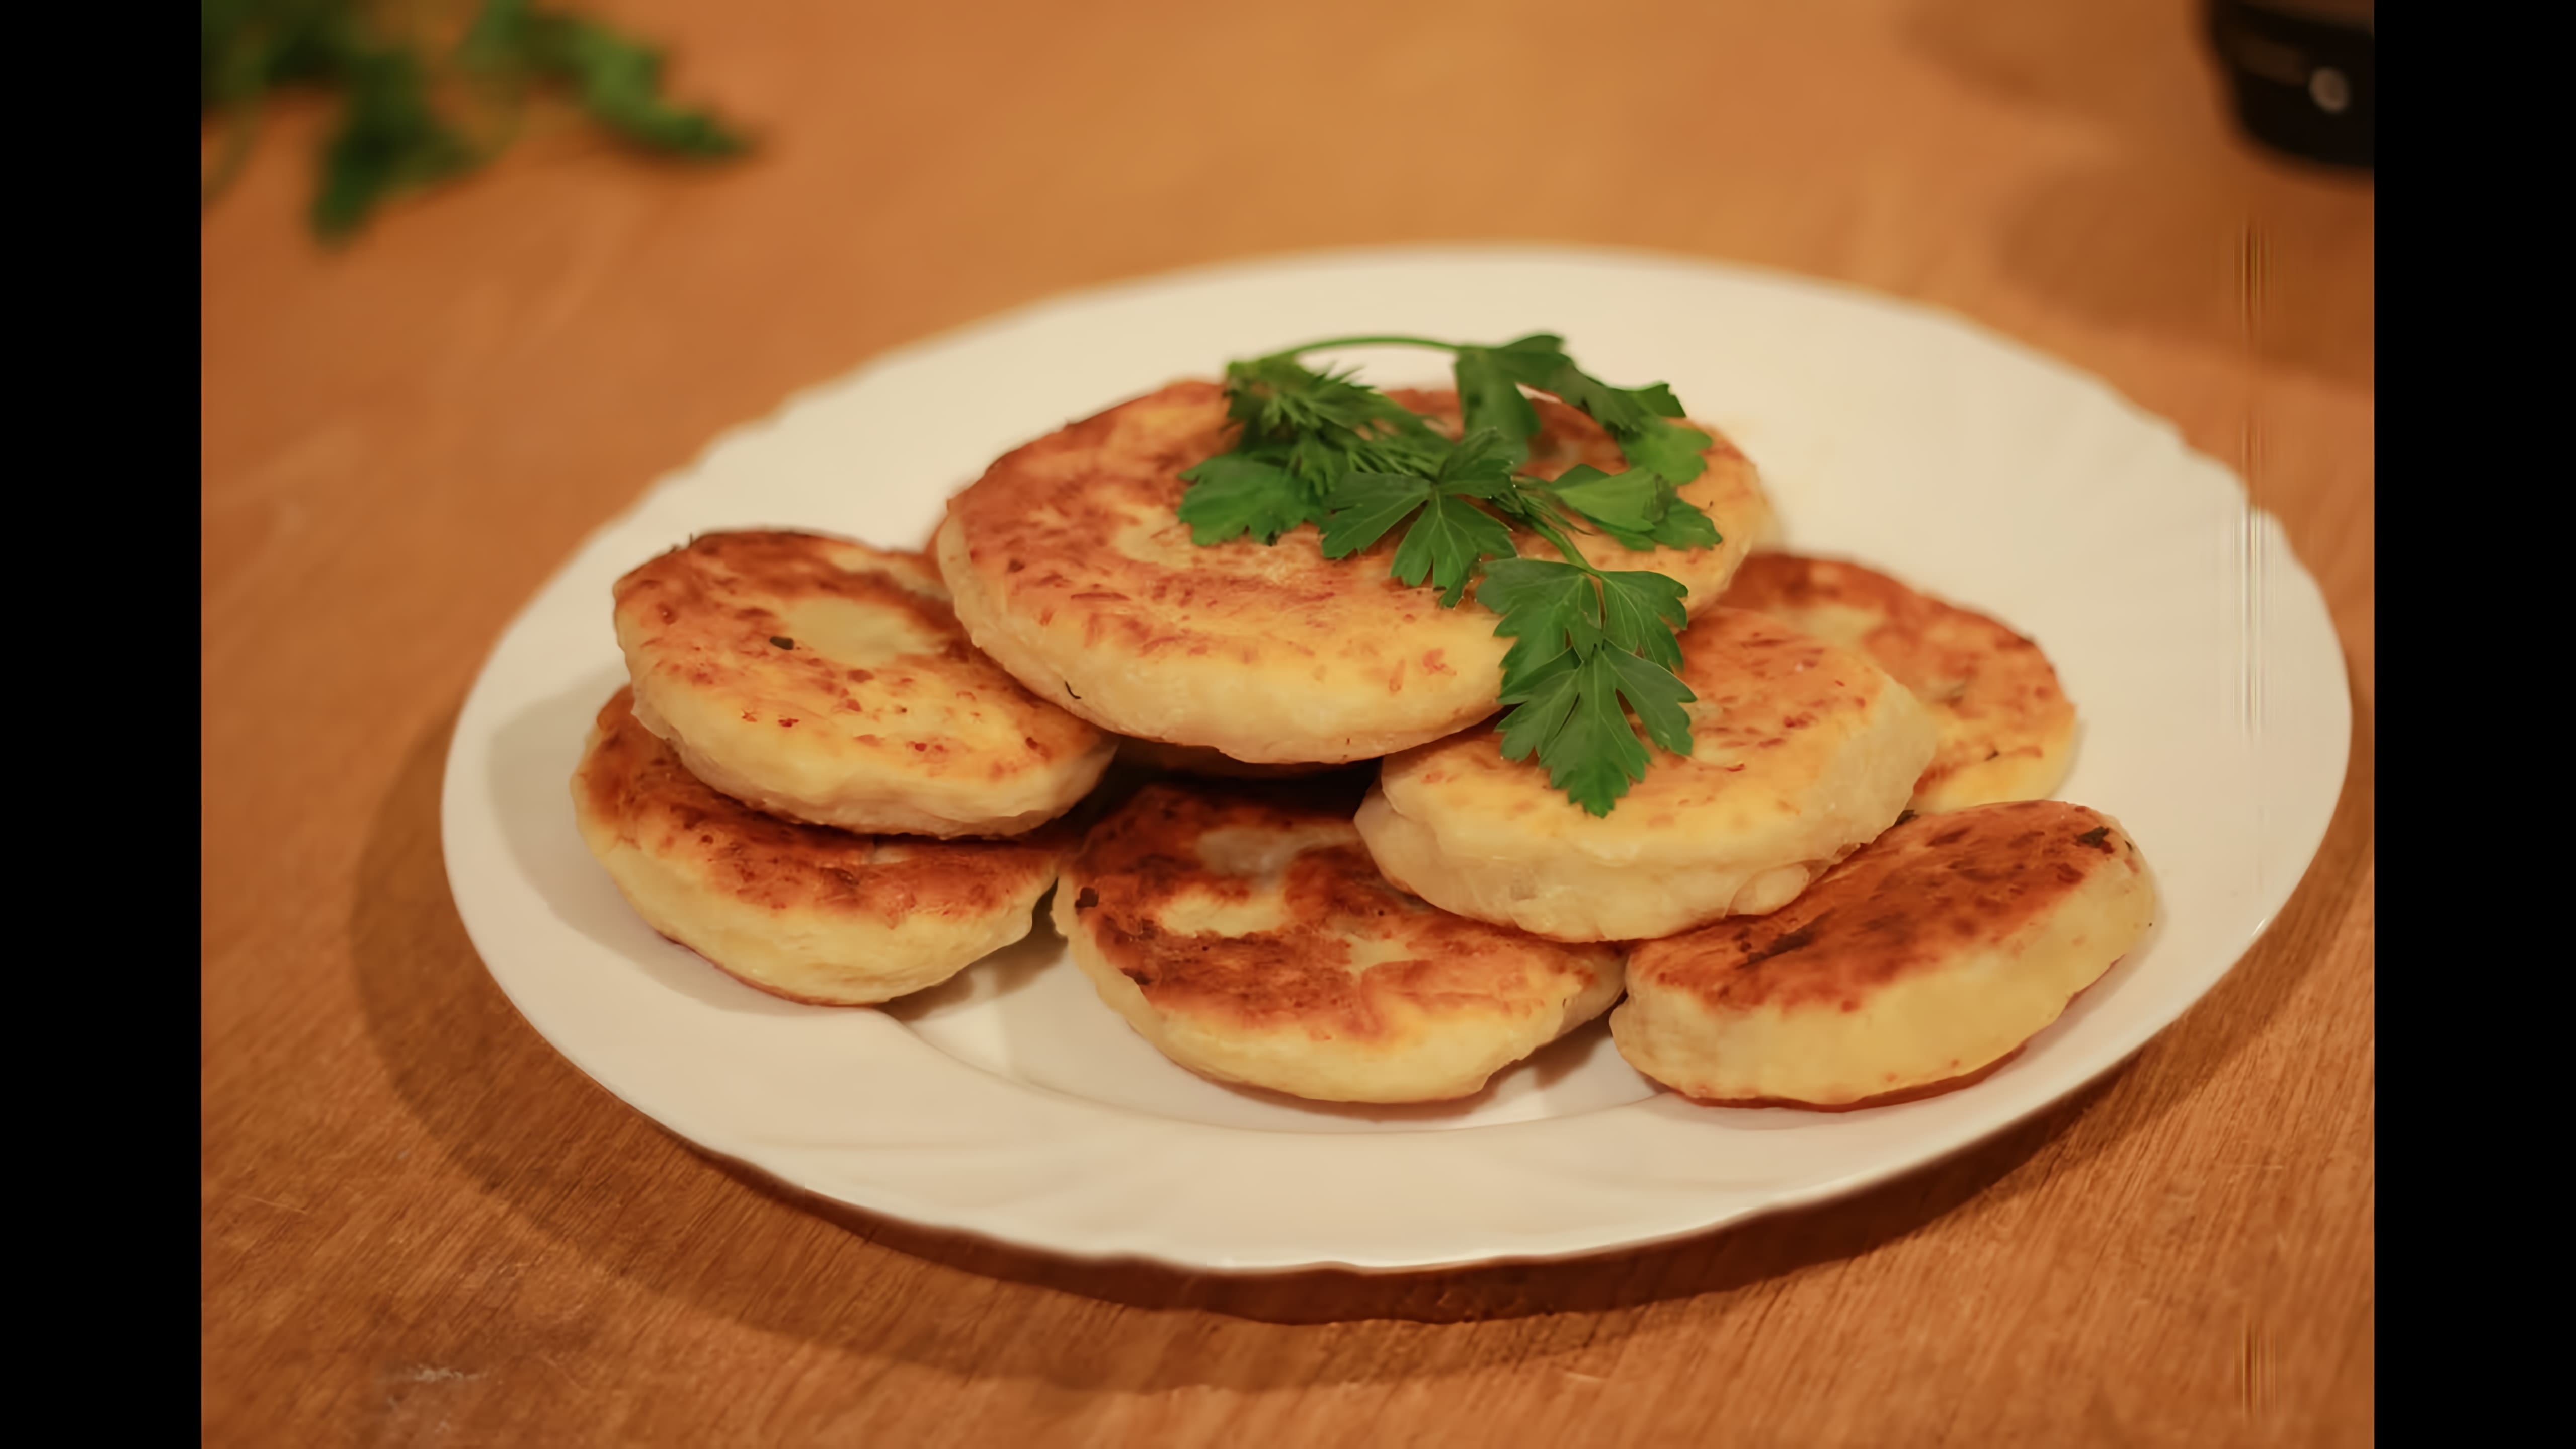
(1548, 531)
(1371, 342)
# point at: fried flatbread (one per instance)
(1246, 935)
(2007, 727)
(1801, 752)
(806, 912)
(1925, 959)
(829, 682)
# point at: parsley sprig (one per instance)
(1589, 645)
(433, 90)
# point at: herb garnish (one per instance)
(397, 132)
(1588, 644)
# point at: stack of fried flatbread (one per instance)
(813, 779)
(844, 775)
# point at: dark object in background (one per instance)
(2301, 74)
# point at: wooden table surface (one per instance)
(421, 1225)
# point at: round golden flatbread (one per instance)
(829, 682)
(1921, 962)
(806, 912)
(2007, 727)
(1801, 752)
(1244, 933)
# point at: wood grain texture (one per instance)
(421, 1226)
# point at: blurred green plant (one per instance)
(431, 90)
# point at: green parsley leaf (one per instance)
(1594, 756)
(1534, 359)
(1588, 647)
(1489, 397)
(619, 82)
(1573, 722)
(1682, 526)
(1480, 466)
(394, 132)
(1641, 614)
(1632, 501)
(1580, 639)
(1534, 588)
(1668, 450)
(1276, 397)
(1546, 697)
(390, 138)
(1657, 398)
(1633, 415)
(1317, 465)
(1231, 495)
(1365, 505)
(1639, 509)
(1657, 694)
(1446, 543)
(1548, 610)
(1611, 407)
(1321, 426)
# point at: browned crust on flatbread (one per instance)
(1142, 859)
(1913, 898)
(632, 781)
(699, 613)
(1992, 690)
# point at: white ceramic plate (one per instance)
(1011, 1103)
